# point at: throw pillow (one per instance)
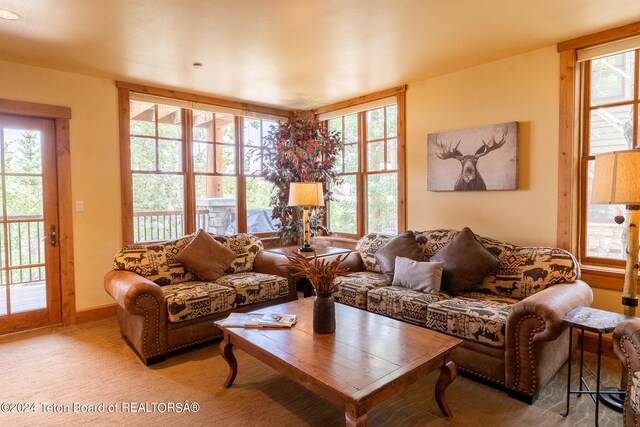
(404, 245)
(466, 262)
(206, 257)
(419, 276)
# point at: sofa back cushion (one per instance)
(246, 246)
(156, 261)
(367, 247)
(522, 270)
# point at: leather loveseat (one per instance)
(510, 323)
(164, 307)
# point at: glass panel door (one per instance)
(29, 263)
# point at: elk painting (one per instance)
(473, 159)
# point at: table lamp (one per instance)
(616, 181)
(306, 194)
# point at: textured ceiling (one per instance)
(296, 54)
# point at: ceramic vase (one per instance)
(324, 313)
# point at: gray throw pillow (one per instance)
(466, 262)
(419, 276)
(403, 245)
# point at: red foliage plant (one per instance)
(300, 150)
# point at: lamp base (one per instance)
(614, 401)
(307, 248)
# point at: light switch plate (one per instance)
(79, 205)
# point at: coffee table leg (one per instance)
(448, 373)
(226, 350)
(354, 416)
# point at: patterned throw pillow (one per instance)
(368, 246)
(246, 246)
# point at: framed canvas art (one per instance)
(474, 159)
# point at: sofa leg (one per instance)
(154, 359)
(530, 400)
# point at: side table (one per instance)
(304, 285)
(593, 320)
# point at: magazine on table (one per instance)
(258, 320)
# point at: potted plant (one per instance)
(321, 274)
(300, 150)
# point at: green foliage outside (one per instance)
(22, 155)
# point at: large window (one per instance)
(609, 123)
(190, 167)
(368, 197)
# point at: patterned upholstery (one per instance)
(368, 246)
(634, 393)
(191, 300)
(352, 289)
(402, 303)
(155, 261)
(251, 287)
(247, 246)
(475, 316)
(523, 271)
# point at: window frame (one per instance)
(571, 216)
(586, 157)
(359, 106)
(126, 173)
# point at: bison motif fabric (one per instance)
(255, 287)
(156, 261)
(523, 271)
(367, 248)
(401, 303)
(352, 289)
(196, 299)
(476, 317)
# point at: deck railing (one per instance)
(162, 225)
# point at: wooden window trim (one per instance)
(61, 116)
(569, 231)
(400, 171)
(126, 174)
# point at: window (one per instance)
(609, 123)
(157, 171)
(189, 166)
(259, 192)
(370, 167)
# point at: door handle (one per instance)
(53, 237)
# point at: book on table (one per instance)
(257, 320)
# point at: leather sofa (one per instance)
(626, 345)
(510, 323)
(164, 307)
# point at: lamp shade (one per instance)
(306, 194)
(616, 178)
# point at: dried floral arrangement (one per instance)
(299, 150)
(320, 273)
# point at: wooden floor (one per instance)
(24, 298)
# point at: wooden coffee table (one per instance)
(368, 359)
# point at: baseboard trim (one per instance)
(96, 313)
(591, 344)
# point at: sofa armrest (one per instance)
(550, 306)
(536, 340)
(277, 264)
(626, 344)
(127, 288)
